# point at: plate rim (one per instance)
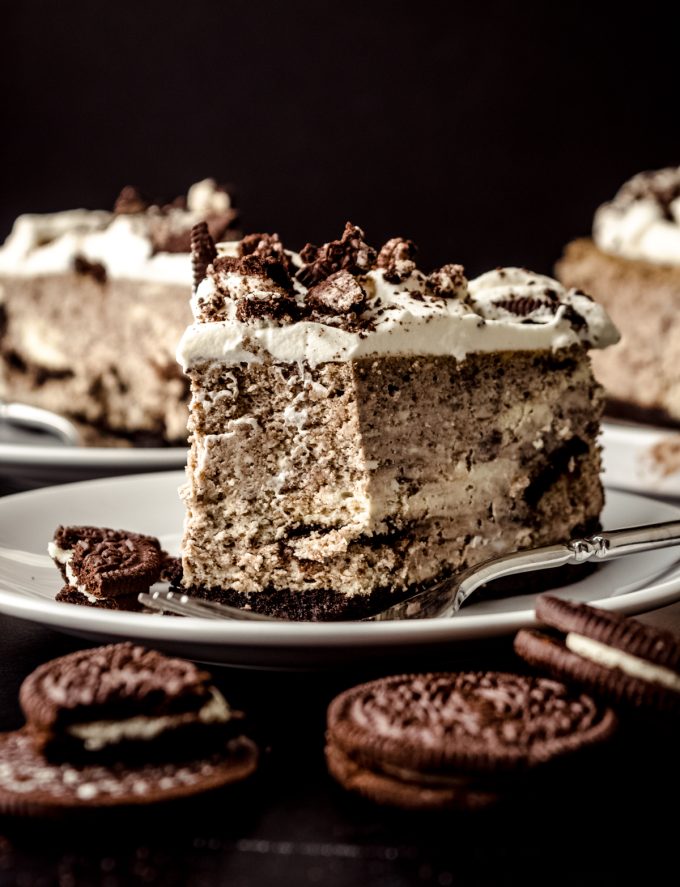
(157, 628)
(30, 455)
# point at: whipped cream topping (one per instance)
(50, 243)
(505, 309)
(643, 220)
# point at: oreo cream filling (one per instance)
(97, 735)
(611, 657)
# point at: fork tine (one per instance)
(183, 605)
(156, 601)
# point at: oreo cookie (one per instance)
(612, 655)
(121, 701)
(455, 741)
(104, 567)
(119, 725)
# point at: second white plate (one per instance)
(33, 464)
(150, 504)
(641, 458)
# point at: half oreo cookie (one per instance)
(104, 567)
(123, 702)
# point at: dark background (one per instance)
(487, 132)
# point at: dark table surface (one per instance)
(598, 821)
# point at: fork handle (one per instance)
(600, 546)
(630, 540)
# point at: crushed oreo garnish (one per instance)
(397, 259)
(350, 253)
(661, 186)
(203, 252)
(129, 201)
(282, 308)
(448, 282)
(81, 265)
(525, 305)
(268, 269)
(338, 294)
(264, 246)
(269, 249)
(577, 321)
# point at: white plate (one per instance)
(149, 504)
(641, 458)
(38, 459)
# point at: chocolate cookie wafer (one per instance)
(610, 654)
(438, 741)
(105, 567)
(122, 701)
(32, 786)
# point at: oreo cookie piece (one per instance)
(456, 741)
(119, 726)
(101, 564)
(30, 785)
(121, 702)
(612, 655)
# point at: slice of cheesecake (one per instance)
(632, 266)
(360, 428)
(92, 305)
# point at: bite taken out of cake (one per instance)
(632, 267)
(360, 428)
(92, 305)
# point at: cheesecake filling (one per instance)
(97, 735)
(642, 222)
(611, 657)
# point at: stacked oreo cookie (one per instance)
(621, 659)
(456, 741)
(119, 726)
(464, 741)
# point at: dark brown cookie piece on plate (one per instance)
(101, 563)
(455, 741)
(612, 655)
(123, 701)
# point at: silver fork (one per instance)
(446, 597)
(26, 416)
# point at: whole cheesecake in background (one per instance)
(92, 305)
(632, 267)
(360, 428)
